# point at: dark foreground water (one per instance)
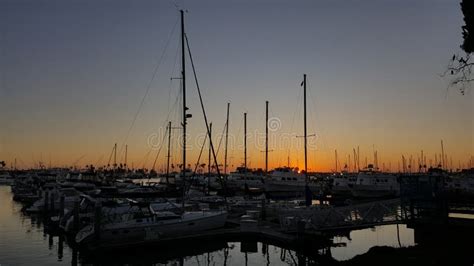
(23, 241)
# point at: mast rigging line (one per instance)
(297, 110)
(149, 86)
(200, 154)
(170, 110)
(220, 139)
(159, 150)
(110, 157)
(164, 123)
(314, 117)
(223, 183)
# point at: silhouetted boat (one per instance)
(371, 183)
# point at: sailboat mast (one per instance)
(226, 139)
(126, 151)
(349, 163)
(355, 160)
(266, 138)
(115, 156)
(245, 141)
(169, 155)
(305, 133)
(358, 159)
(209, 159)
(183, 82)
(442, 155)
(308, 195)
(335, 156)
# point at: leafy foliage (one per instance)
(460, 67)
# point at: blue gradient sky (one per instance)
(73, 74)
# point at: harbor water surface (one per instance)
(24, 241)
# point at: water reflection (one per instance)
(24, 240)
(360, 241)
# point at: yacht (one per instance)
(71, 195)
(149, 226)
(243, 177)
(110, 209)
(461, 183)
(287, 181)
(343, 183)
(371, 183)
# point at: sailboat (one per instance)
(287, 181)
(243, 177)
(148, 225)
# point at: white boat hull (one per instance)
(135, 233)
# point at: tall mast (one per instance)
(305, 133)
(126, 151)
(183, 82)
(349, 163)
(266, 138)
(377, 159)
(423, 163)
(358, 158)
(209, 159)
(226, 139)
(355, 160)
(442, 155)
(223, 180)
(115, 156)
(335, 156)
(307, 191)
(245, 141)
(169, 155)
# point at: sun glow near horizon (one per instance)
(74, 93)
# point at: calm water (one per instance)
(23, 241)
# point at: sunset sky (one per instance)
(73, 74)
